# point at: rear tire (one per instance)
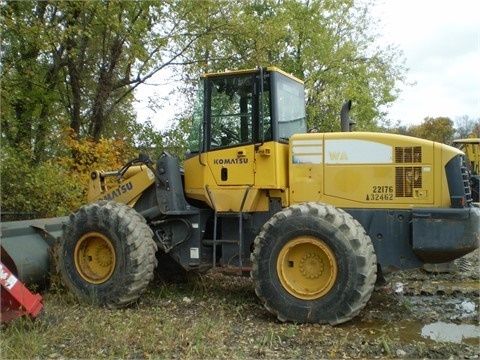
(313, 263)
(107, 254)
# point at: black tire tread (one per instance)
(139, 249)
(352, 230)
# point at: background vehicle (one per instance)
(315, 218)
(471, 147)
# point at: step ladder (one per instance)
(466, 184)
(223, 214)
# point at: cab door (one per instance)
(231, 109)
(232, 166)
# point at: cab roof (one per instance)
(251, 71)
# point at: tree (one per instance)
(464, 126)
(30, 105)
(333, 53)
(476, 129)
(68, 72)
(437, 129)
(77, 63)
(328, 44)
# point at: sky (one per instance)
(441, 43)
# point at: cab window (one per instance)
(196, 131)
(289, 106)
(231, 110)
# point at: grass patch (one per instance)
(207, 317)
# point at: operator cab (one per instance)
(239, 141)
(248, 107)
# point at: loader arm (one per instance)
(125, 185)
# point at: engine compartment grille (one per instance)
(408, 155)
(408, 177)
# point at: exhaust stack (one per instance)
(345, 121)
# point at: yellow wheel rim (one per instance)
(307, 268)
(95, 258)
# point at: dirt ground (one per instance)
(429, 314)
(418, 314)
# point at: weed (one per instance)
(25, 337)
(270, 338)
(385, 341)
(407, 304)
(291, 331)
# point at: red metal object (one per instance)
(17, 300)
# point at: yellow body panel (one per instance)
(249, 173)
(271, 166)
(349, 170)
(370, 170)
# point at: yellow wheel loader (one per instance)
(314, 218)
(471, 147)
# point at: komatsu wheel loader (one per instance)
(314, 218)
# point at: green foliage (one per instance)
(437, 129)
(152, 142)
(476, 129)
(44, 190)
(80, 62)
(328, 44)
(75, 63)
(31, 107)
(58, 186)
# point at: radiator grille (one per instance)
(408, 177)
(408, 155)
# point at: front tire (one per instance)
(107, 254)
(313, 263)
